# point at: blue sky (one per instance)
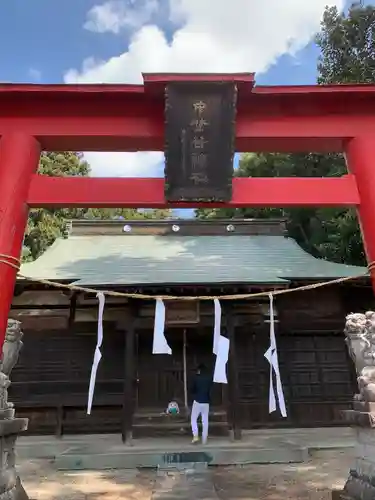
(47, 36)
(52, 41)
(42, 39)
(42, 51)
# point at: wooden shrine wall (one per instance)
(54, 367)
(317, 377)
(53, 374)
(317, 374)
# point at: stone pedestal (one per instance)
(361, 481)
(10, 483)
(10, 427)
(360, 337)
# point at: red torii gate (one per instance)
(326, 118)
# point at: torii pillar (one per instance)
(360, 157)
(19, 160)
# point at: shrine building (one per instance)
(181, 257)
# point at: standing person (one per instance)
(201, 389)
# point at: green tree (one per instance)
(347, 45)
(347, 55)
(323, 232)
(45, 225)
(126, 213)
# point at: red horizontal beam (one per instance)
(62, 90)
(131, 117)
(361, 88)
(149, 193)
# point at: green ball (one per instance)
(173, 408)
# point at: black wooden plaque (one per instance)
(199, 141)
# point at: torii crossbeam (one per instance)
(322, 118)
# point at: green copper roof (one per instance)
(154, 259)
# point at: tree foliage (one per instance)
(347, 45)
(45, 225)
(126, 213)
(347, 55)
(322, 232)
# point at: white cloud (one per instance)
(213, 36)
(126, 164)
(115, 15)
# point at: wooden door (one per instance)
(199, 350)
(161, 377)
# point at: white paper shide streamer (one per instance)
(160, 344)
(220, 348)
(217, 325)
(272, 358)
(97, 353)
(220, 373)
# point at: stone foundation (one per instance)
(360, 484)
(10, 484)
(360, 338)
(10, 427)
(361, 481)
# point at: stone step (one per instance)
(172, 428)
(154, 423)
(141, 417)
(133, 457)
(187, 467)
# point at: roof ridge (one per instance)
(166, 227)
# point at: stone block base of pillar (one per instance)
(10, 483)
(360, 484)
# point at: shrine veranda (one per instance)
(187, 117)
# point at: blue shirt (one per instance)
(201, 388)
